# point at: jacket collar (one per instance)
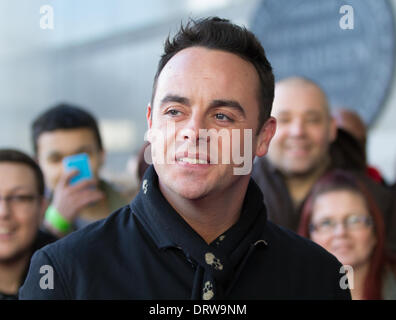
(169, 229)
(218, 264)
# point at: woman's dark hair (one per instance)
(18, 157)
(64, 116)
(342, 180)
(221, 34)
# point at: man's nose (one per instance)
(191, 130)
(297, 127)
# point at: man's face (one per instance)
(21, 209)
(207, 89)
(53, 146)
(304, 129)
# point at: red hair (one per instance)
(342, 180)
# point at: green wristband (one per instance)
(56, 220)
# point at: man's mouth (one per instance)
(192, 160)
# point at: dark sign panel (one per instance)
(347, 47)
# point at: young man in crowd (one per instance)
(62, 131)
(22, 207)
(198, 228)
(301, 153)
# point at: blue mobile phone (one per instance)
(79, 162)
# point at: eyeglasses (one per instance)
(20, 200)
(351, 222)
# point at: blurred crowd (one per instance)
(315, 180)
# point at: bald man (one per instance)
(300, 152)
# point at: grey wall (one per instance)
(105, 60)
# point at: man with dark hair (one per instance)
(59, 132)
(22, 206)
(198, 227)
(224, 37)
(65, 116)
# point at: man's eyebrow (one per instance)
(82, 149)
(228, 103)
(313, 112)
(52, 154)
(85, 148)
(284, 113)
(175, 98)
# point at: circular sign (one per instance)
(347, 47)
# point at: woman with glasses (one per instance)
(341, 216)
(22, 206)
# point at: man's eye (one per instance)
(173, 112)
(222, 117)
(55, 159)
(283, 120)
(313, 120)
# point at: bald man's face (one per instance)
(304, 131)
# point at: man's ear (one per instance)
(265, 136)
(149, 116)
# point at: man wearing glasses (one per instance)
(22, 206)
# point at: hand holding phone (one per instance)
(76, 188)
(79, 162)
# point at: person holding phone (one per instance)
(66, 131)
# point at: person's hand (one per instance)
(70, 200)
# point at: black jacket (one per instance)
(147, 251)
(42, 239)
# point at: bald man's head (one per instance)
(287, 88)
(305, 127)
